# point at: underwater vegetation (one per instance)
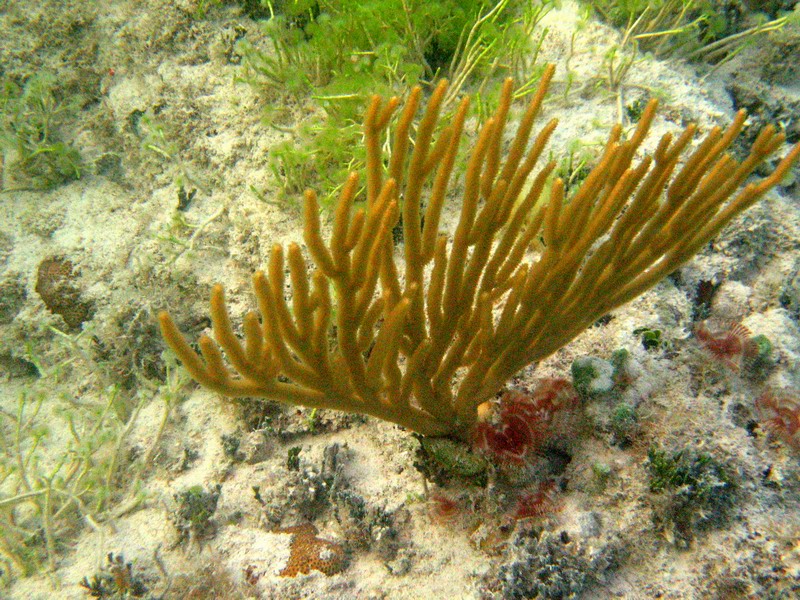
(332, 55)
(700, 491)
(32, 142)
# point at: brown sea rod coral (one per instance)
(424, 336)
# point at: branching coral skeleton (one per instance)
(421, 345)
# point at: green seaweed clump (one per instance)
(625, 424)
(440, 459)
(196, 507)
(760, 361)
(34, 152)
(331, 56)
(699, 491)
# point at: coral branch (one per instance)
(419, 343)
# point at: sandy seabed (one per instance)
(126, 252)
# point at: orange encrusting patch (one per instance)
(309, 553)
